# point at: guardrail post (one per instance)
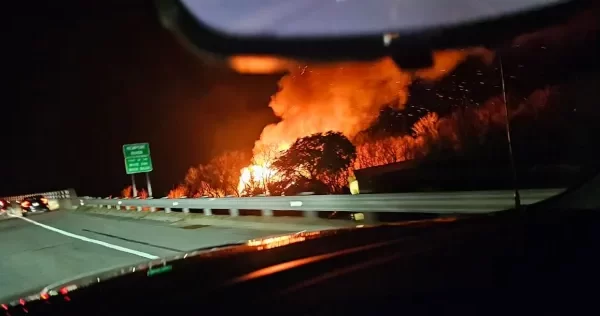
(234, 212)
(208, 212)
(152, 208)
(167, 209)
(310, 214)
(370, 218)
(267, 212)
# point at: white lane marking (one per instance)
(90, 240)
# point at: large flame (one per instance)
(260, 171)
(344, 97)
(256, 173)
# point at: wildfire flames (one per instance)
(344, 97)
(255, 173)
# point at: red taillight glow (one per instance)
(5, 307)
(1, 203)
(22, 301)
(64, 291)
(44, 296)
(25, 204)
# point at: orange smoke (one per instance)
(344, 97)
(347, 96)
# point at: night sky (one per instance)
(85, 77)
(90, 76)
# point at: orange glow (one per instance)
(260, 171)
(259, 64)
(177, 192)
(255, 173)
(445, 219)
(25, 204)
(279, 241)
(44, 200)
(344, 97)
(275, 242)
(44, 296)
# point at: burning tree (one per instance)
(259, 176)
(385, 150)
(317, 161)
(218, 178)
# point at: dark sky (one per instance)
(86, 77)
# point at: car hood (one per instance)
(160, 265)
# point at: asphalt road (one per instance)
(61, 245)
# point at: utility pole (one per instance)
(508, 138)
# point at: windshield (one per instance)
(120, 109)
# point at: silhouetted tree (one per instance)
(219, 177)
(318, 157)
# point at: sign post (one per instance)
(133, 185)
(138, 160)
(149, 184)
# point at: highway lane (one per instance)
(32, 257)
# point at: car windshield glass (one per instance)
(126, 119)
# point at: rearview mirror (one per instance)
(353, 29)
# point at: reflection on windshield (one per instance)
(278, 241)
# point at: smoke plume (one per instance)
(345, 97)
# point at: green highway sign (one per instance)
(137, 158)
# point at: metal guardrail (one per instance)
(443, 202)
(62, 194)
